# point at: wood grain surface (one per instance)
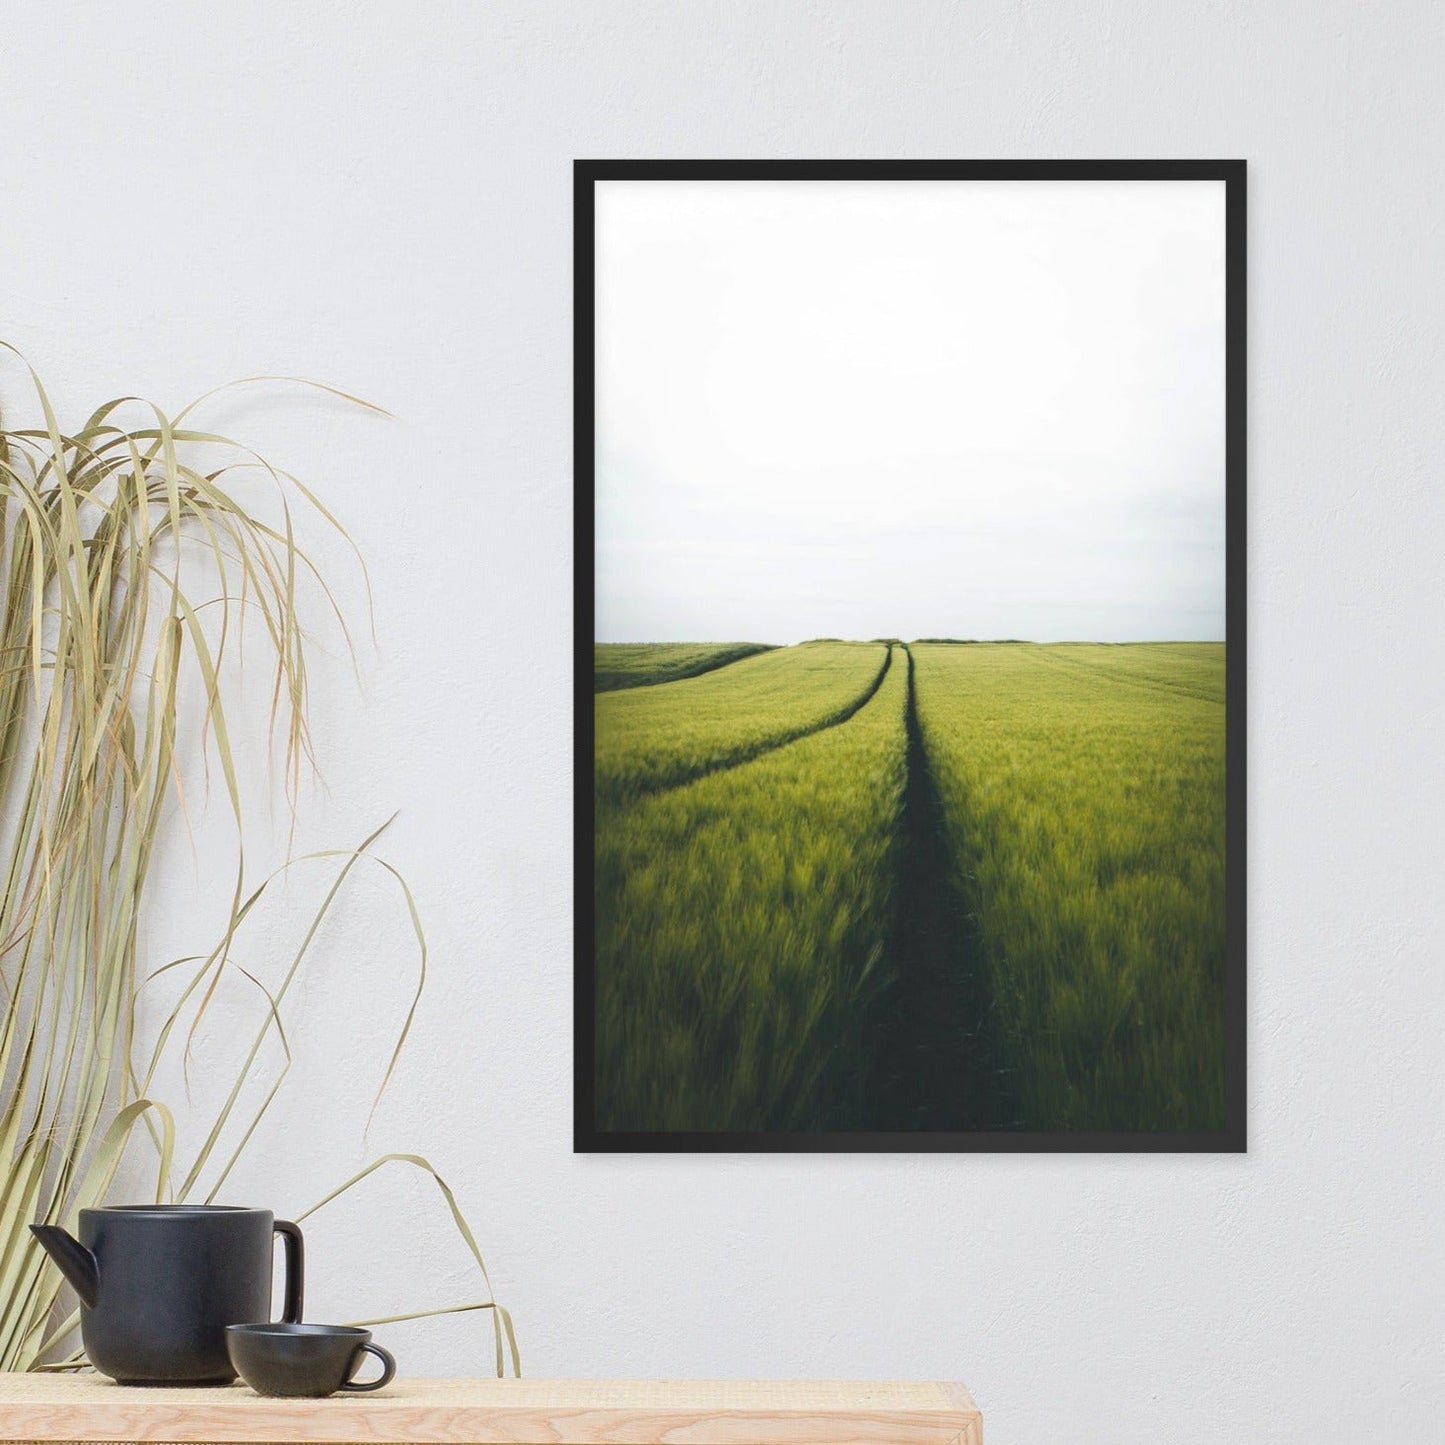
(499, 1412)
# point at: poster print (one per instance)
(910, 655)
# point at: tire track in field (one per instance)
(936, 1062)
(751, 752)
(700, 669)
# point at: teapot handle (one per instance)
(294, 1243)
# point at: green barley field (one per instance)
(662, 737)
(617, 665)
(848, 886)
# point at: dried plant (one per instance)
(111, 536)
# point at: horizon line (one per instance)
(942, 641)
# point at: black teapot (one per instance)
(159, 1283)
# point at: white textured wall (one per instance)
(379, 195)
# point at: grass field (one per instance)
(658, 737)
(618, 665)
(1083, 792)
(982, 890)
(741, 925)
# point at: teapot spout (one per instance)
(75, 1261)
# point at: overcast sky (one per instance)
(913, 409)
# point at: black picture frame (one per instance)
(587, 1138)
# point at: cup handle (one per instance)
(291, 1237)
(388, 1368)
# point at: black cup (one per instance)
(311, 1360)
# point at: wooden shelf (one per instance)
(499, 1412)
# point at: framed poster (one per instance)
(910, 658)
